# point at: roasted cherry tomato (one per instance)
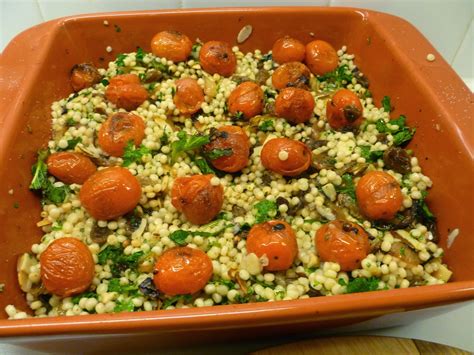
(172, 45)
(83, 76)
(321, 57)
(342, 242)
(275, 239)
(197, 198)
(295, 105)
(233, 146)
(126, 92)
(110, 193)
(189, 96)
(70, 167)
(286, 156)
(182, 271)
(118, 130)
(344, 110)
(67, 267)
(246, 98)
(216, 57)
(293, 74)
(288, 49)
(379, 195)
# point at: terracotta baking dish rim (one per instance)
(230, 316)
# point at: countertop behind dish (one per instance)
(455, 326)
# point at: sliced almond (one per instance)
(244, 34)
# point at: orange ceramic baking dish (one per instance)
(34, 71)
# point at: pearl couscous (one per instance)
(125, 249)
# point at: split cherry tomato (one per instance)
(125, 91)
(67, 267)
(172, 45)
(189, 96)
(110, 193)
(197, 198)
(342, 242)
(216, 57)
(379, 195)
(83, 76)
(275, 239)
(118, 130)
(288, 49)
(246, 98)
(70, 167)
(293, 74)
(182, 271)
(344, 110)
(285, 156)
(321, 57)
(234, 142)
(296, 105)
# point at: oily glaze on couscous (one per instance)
(197, 175)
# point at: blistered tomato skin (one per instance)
(277, 241)
(189, 96)
(110, 193)
(379, 195)
(172, 45)
(118, 130)
(295, 105)
(234, 138)
(182, 271)
(297, 156)
(344, 110)
(246, 98)
(293, 74)
(83, 76)
(125, 91)
(67, 267)
(197, 198)
(216, 57)
(321, 57)
(70, 167)
(288, 49)
(342, 242)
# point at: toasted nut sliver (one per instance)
(244, 34)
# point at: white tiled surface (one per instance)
(448, 24)
(463, 62)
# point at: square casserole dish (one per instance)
(34, 72)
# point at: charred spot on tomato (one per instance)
(278, 227)
(351, 113)
(349, 228)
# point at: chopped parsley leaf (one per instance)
(370, 156)
(175, 299)
(219, 153)
(265, 210)
(179, 236)
(267, 126)
(124, 306)
(88, 294)
(337, 77)
(362, 284)
(119, 261)
(186, 143)
(387, 106)
(401, 135)
(71, 144)
(203, 166)
(120, 60)
(132, 154)
(347, 186)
